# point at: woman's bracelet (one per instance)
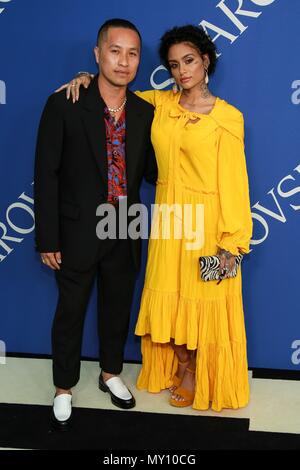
(226, 253)
(79, 74)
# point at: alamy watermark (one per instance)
(169, 221)
(2, 92)
(2, 352)
(295, 358)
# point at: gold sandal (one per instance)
(188, 395)
(177, 380)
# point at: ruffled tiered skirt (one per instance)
(206, 316)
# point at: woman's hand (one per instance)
(227, 262)
(73, 86)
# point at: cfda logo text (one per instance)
(3, 1)
(2, 83)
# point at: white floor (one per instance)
(274, 405)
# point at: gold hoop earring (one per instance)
(175, 88)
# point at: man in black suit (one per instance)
(89, 153)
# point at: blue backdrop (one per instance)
(42, 45)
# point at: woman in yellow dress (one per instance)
(193, 333)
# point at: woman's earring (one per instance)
(175, 88)
(206, 77)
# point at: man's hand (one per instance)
(73, 86)
(52, 260)
(227, 262)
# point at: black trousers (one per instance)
(116, 275)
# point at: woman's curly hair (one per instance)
(195, 35)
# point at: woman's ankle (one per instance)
(183, 361)
(183, 356)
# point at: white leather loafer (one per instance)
(62, 409)
(119, 393)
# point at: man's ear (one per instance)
(97, 54)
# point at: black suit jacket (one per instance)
(71, 172)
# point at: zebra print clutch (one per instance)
(210, 266)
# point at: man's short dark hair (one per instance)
(115, 23)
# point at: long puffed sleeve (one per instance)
(154, 97)
(148, 95)
(235, 221)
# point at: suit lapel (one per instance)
(133, 122)
(93, 119)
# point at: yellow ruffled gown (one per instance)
(200, 163)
